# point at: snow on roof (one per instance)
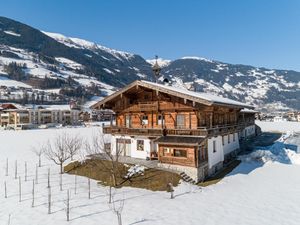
(206, 96)
(49, 107)
(18, 106)
(249, 111)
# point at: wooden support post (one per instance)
(152, 119)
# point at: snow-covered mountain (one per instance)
(88, 67)
(161, 62)
(265, 88)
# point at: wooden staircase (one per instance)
(187, 178)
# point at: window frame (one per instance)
(180, 150)
(145, 121)
(214, 146)
(142, 143)
(183, 117)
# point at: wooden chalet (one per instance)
(185, 130)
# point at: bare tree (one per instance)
(73, 144)
(57, 151)
(38, 152)
(100, 148)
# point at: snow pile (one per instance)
(278, 152)
(135, 170)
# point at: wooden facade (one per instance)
(143, 110)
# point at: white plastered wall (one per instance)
(215, 157)
(232, 145)
(134, 152)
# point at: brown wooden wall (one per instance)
(169, 158)
(169, 122)
(146, 102)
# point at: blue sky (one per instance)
(255, 32)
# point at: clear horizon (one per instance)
(257, 33)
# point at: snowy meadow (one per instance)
(263, 189)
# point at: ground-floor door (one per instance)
(123, 147)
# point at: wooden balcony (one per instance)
(153, 132)
(200, 131)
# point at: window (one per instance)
(228, 138)
(166, 151)
(214, 146)
(180, 153)
(145, 120)
(160, 119)
(180, 119)
(128, 121)
(233, 137)
(223, 142)
(140, 145)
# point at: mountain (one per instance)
(266, 88)
(68, 68)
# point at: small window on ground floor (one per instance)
(233, 137)
(166, 151)
(140, 145)
(180, 153)
(214, 146)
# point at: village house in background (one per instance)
(193, 133)
(15, 116)
(292, 116)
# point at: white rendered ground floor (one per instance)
(220, 149)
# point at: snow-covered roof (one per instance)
(203, 98)
(50, 107)
(249, 111)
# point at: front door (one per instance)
(123, 147)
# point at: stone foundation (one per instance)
(197, 174)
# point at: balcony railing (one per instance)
(153, 131)
(200, 131)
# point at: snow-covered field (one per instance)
(258, 191)
(279, 126)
